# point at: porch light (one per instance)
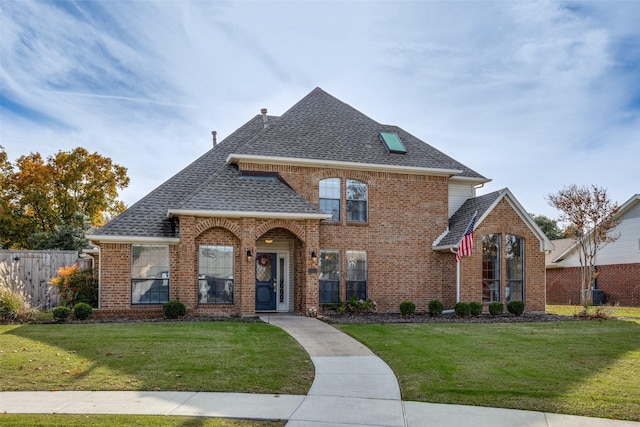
(249, 255)
(268, 241)
(313, 256)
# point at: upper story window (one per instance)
(330, 198)
(149, 274)
(356, 201)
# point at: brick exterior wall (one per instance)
(620, 283)
(406, 215)
(504, 220)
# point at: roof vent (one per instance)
(265, 118)
(213, 136)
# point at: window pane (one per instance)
(491, 268)
(330, 188)
(329, 276)
(356, 274)
(215, 274)
(331, 207)
(514, 253)
(149, 274)
(356, 190)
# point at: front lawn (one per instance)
(589, 367)
(228, 356)
(68, 420)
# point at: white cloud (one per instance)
(526, 93)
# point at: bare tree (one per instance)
(589, 213)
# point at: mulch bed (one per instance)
(444, 318)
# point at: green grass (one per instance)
(65, 420)
(611, 311)
(250, 357)
(589, 367)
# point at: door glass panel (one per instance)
(263, 268)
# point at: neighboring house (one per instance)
(618, 264)
(292, 213)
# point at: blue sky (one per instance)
(534, 95)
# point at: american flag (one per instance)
(466, 243)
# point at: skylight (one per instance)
(392, 142)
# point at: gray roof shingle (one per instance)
(318, 127)
(462, 217)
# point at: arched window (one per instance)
(514, 254)
(356, 201)
(330, 198)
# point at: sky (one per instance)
(533, 95)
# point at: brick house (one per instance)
(618, 264)
(291, 213)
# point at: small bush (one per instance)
(462, 309)
(82, 310)
(496, 308)
(75, 285)
(173, 309)
(355, 305)
(516, 307)
(476, 308)
(407, 308)
(61, 314)
(436, 307)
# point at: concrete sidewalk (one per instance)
(352, 387)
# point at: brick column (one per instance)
(311, 287)
(184, 283)
(247, 285)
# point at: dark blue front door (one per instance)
(266, 281)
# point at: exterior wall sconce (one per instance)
(314, 257)
(249, 255)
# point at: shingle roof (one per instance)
(462, 217)
(318, 127)
(321, 127)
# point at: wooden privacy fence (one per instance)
(36, 268)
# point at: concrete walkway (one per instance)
(352, 387)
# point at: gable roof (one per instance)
(483, 205)
(569, 245)
(319, 129)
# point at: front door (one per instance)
(266, 264)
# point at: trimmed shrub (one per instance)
(82, 310)
(496, 308)
(436, 307)
(355, 305)
(407, 308)
(462, 309)
(516, 307)
(61, 314)
(476, 308)
(173, 309)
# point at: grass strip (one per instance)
(588, 368)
